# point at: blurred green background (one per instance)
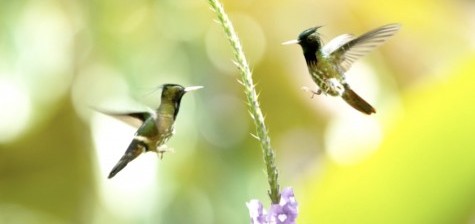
(412, 162)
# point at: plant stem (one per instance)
(250, 91)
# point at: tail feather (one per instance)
(135, 149)
(119, 166)
(356, 101)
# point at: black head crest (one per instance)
(306, 33)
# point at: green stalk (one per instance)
(250, 91)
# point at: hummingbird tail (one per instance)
(356, 101)
(119, 166)
(135, 149)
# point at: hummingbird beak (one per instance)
(191, 88)
(291, 42)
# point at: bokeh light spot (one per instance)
(15, 110)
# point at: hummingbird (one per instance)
(154, 127)
(327, 64)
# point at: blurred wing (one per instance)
(336, 43)
(360, 46)
(134, 119)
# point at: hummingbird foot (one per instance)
(314, 92)
(162, 149)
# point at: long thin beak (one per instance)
(291, 42)
(191, 88)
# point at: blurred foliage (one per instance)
(410, 163)
(423, 171)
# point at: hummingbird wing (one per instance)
(336, 43)
(134, 119)
(356, 48)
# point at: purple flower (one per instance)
(283, 213)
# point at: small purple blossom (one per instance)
(283, 213)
